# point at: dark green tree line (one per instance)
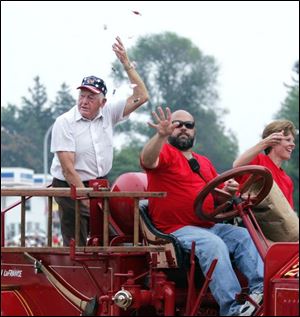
(23, 128)
(290, 110)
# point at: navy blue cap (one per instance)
(94, 84)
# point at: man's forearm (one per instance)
(72, 177)
(67, 162)
(151, 150)
(140, 93)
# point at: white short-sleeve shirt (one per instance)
(90, 140)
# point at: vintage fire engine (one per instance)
(128, 267)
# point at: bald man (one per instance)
(172, 166)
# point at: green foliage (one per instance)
(290, 111)
(23, 129)
(9, 115)
(63, 101)
(177, 74)
(214, 143)
(126, 160)
(11, 143)
(34, 119)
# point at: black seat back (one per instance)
(173, 256)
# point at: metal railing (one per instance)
(77, 194)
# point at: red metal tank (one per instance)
(122, 208)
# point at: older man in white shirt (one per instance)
(82, 141)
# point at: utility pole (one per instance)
(46, 153)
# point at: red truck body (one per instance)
(122, 273)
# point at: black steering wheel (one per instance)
(253, 190)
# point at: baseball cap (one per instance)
(94, 84)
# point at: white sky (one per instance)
(255, 44)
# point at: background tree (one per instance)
(179, 75)
(9, 116)
(36, 118)
(64, 101)
(11, 138)
(126, 160)
(290, 111)
(23, 129)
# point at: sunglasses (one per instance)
(187, 124)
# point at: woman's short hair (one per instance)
(277, 126)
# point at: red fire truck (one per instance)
(128, 267)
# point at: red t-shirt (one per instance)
(283, 181)
(174, 176)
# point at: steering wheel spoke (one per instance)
(220, 195)
(252, 183)
(254, 190)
